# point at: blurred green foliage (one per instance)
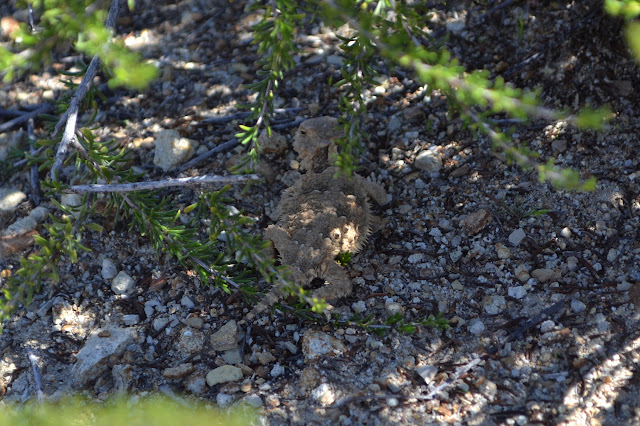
(154, 411)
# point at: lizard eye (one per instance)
(335, 234)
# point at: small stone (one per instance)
(10, 199)
(517, 292)
(253, 400)
(109, 269)
(171, 150)
(131, 319)
(456, 285)
(92, 359)
(502, 251)
(494, 304)
(359, 306)
(612, 255)
(572, 263)
(178, 371)
(577, 306)
(316, 344)
(427, 372)
(232, 356)
(516, 237)
(224, 399)
(460, 171)
(277, 370)
(566, 232)
(226, 338)
(522, 274)
(272, 144)
(187, 302)
(123, 283)
(476, 327)
(190, 341)
(195, 322)
(476, 221)
(415, 258)
(323, 394)
(456, 26)
(392, 307)
(224, 374)
(196, 384)
(559, 145)
(547, 326)
(428, 161)
(159, 323)
(265, 357)
(543, 275)
(395, 122)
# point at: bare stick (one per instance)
(36, 376)
(151, 185)
(36, 194)
(25, 117)
(71, 116)
(218, 149)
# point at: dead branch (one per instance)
(70, 117)
(152, 185)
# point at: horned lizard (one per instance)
(319, 217)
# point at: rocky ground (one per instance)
(539, 285)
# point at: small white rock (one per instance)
(427, 372)
(517, 292)
(516, 237)
(224, 399)
(109, 269)
(547, 326)
(566, 232)
(577, 306)
(428, 160)
(359, 306)
(323, 394)
(131, 319)
(123, 283)
(476, 327)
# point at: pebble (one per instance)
(159, 323)
(476, 326)
(131, 319)
(224, 399)
(223, 374)
(171, 150)
(392, 307)
(395, 122)
(178, 371)
(10, 199)
(612, 255)
(190, 341)
(109, 269)
(123, 283)
(226, 338)
(335, 60)
(516, 237)
(196, 384)
(187, 302)
(253, 400)
(415, 258)
(517, 292)
(317, 344)
(427, 372)
(547, 326)
(572, 263)
(476, 221)
(577, 306)
(543, 275)
(359, 306)
(28, 223)
(92, 358)
(195, 322)
(502, 251)
(323, 394)
(566, 232)
(277, 370)
(428, 161)
(494, 304)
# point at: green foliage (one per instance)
(78, 23)
(628, 9)
(344, 258)
(148, 412)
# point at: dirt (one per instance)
(540, 285)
